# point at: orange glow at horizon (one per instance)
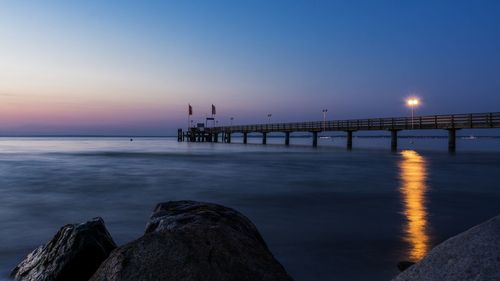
(19, 109)
(413, 175)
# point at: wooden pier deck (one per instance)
(450, 122)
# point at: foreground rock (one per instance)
(471, 255)
(187, 241)
(74, 253)
(404, 265)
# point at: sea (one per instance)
(326, 213)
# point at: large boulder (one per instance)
(471, 255)
(74, 253)
(188, 241)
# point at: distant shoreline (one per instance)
(250, 136)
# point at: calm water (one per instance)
(326, 213)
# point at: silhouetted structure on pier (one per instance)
(451, 123)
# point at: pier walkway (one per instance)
(451, 123)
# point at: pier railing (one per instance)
(453, 121)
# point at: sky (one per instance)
(132, 67)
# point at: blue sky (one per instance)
(131, 67)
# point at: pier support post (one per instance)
(349, 140)
(315, 139)
(264, 138)
(179, 135)
(287, 138)
(245, 137)
(216, 137)
(394, 140)
(452, 140)
(228, 137)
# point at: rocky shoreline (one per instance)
(470, 255)
(188, 241)
(184, 240)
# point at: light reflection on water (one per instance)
(413, 173)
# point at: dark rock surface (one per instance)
(471, 255)
(74, 253)
(404, 265)
(187, 241)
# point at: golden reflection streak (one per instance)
(413, 176)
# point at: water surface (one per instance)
(326, 213)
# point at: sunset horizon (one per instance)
(123, 68)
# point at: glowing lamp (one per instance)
(413, 102)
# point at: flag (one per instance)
(213, 109)
(190, 110)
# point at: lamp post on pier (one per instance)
(412, 103)
(269, 118)
(324, 118)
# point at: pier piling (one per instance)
(394, 140)
(245, 137)
(349, 140)
(452, 140)
(287, 138)
(180, 135)
(264, 137)
(315, 139)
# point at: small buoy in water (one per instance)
(131, 139)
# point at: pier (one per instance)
(450, 123)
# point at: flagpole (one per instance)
(190, 112)
(213, 113)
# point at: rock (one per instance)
(74, 253)
(187, 241)
(403, 265)
(471, 255)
